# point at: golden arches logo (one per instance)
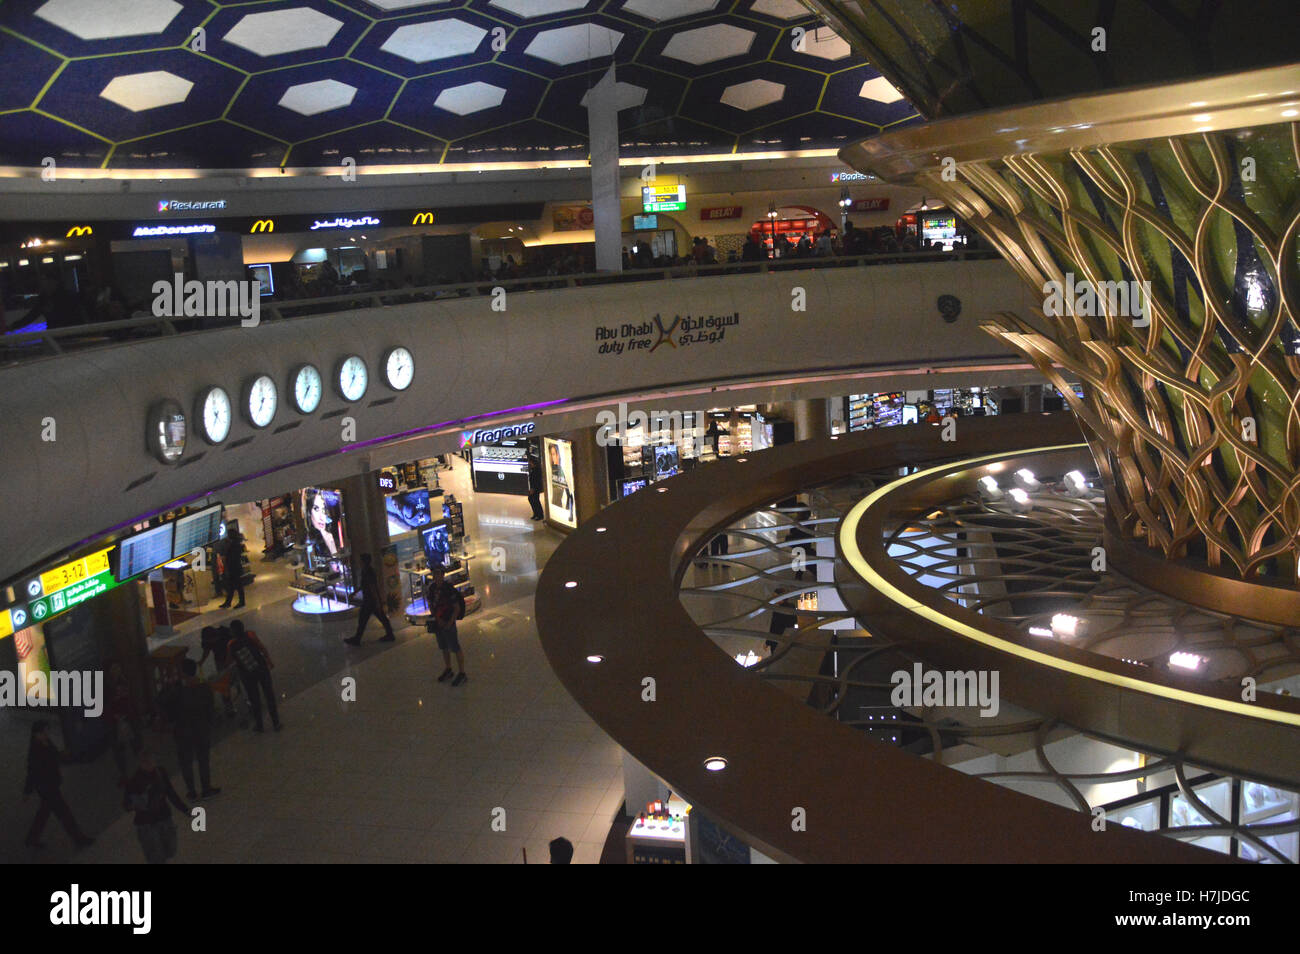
(422, 218)
(263, 225)
(77, 230)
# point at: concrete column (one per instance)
(811, 417)
(602, 132)
(367, 521)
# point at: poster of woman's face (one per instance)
(322, 513)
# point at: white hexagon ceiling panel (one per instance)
(707, 44)
(113, 84)
(141, 91)
(470, 98)
(308, 99)
(435, 40)
(284, 31)
(752, 94)
(660, 10)
(104, 19)
(574, 44)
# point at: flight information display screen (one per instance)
(197, 530)
(144, 551)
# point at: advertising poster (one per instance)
(560, 505)
(572, 218)
(322, 514)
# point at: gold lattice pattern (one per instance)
(1194, 417)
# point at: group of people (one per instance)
(443, 602)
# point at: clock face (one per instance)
(399, 369)
(307, 388)
(261, 401)
(214, 415)
(352, 378)
(167, 431)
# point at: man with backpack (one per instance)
(446, 605)
(254, 665)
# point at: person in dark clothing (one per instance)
(535, 489)
(189, 708)
(783, 617)
(371, 604)
(215, 641)
(147, 794)
(254, 665)
(561, 851)
(446, 605)
(44, 779)
(234, 576)
(752, 251)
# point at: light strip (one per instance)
(24, 172)
(848, 542)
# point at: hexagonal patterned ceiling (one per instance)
(128, 84)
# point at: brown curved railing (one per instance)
(863, 801)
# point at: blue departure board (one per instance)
(144, 551)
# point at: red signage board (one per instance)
(720, 212)
(871, 205)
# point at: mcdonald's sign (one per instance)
(422, 218)
(77, 230)
(263, 225)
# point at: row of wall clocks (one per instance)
(260, 400)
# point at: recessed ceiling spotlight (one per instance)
(595, 658)
(1186, 660)
(572, 584)
(1065, 625)
(601, 529)
(715, 763)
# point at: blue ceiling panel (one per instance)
(379, 143)
(27, 68)
(662, 94)
(406, 81)
(214, 145)
(139, 94)
(315, 98)
(461, 103)
(751, 96)
(29, 138)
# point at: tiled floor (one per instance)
(413, 770)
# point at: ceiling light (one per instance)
(1076, 483)
(572, 584)
(1021, 500)
(1064, 625)
(715, 763)
(1186, 660)
(595, 658)
(601, 529)
(989, 488)
(1041, 631)
(1027, 479)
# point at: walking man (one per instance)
(189, 707)
(371, 604)
(254, 665)
(446, 605)
(535, 488)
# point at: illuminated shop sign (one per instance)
(387, 481)
(422, 218)
(344, 223)
(79, 230)
(663, 199)
(850, 177)
(870, 205)
(185, 205)
(492, 435)
(148, 231)
(262, 225)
